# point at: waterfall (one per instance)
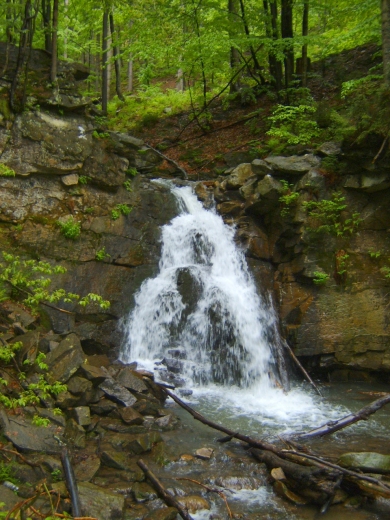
(201, 313)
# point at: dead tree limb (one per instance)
(212, 490)
(301, 368)
(182, 170)
(262, 445)
(334, 426)
(169, 499)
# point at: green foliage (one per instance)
(127, 185)
(329, 216)
(120, 209)
(101, 255)
(293, 124)
(7, 473)
(5, 171)
(341, 263)
(288, 199)
(70, 228)
(83, 179)
(386, 271)
(56, 475)
(132, 171)
(320, 278)
(374, 254)
(33, 277)
(100, 135)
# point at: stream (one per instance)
(200, 325)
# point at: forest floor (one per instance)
(239, 128)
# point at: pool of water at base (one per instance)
(254, 498)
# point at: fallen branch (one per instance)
(301, 368)
(169, 499)
(334, 426)
(212, 490)
(71, 483)
(185, 174)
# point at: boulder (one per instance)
(65, 360)
(100, 503)
(294, 165)
(330, 148)
(131, 381)
(117, 392)
(239, 176)
(369, 462)
(193, 503)
(260, 168)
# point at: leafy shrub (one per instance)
(293, 124)
(5, 171)
(101, 255)
(320, 278)
(70, 228)
(288, 199)
(83, 179)
(120, 209)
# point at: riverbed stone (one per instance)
(130, 416)
(78, 385)
(82, 415)
(87, 468)
(239, 176)
(204, 453)
(366, 461)
(193, 503)
(75, 434)
(166, 513)
(260, 168)
(99, 503)
(143, 492)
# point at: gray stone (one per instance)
(370, 462)
(173, 365)
(129, 380)
(204, 453)
(260, 168)
(143, 492)
(239, 176)
(103, 407)
(17, 313)
(329, 148)
(82, 415)
(70, 180)
(93, 373)
(130, 416)
(27, 437)
(193, 503)
(294, 165)
(99, 503)
(75, 434)
(87, 468)
(249, 188)
(64, 360)
(78, 385)
(117, 392)
(166, 513)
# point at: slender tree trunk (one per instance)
(252, 50)
(46, 18)
(66, 4)
(54, 60)
(98, 71)
(386, 41)
(130, 64)
(287, 35)
(104, 63)
(234, 54)
(275, 36)
(305, 32)
(117, 61)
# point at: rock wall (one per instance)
(342, 324)
(65, 168)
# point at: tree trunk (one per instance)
(117, 59)
(234, 54)
(54, 60)
(130, 71)
(46, 18)
(66, 4)
(287, 35)
(256, 63)
(275, 36)
(386, 41)
(104, 63)
(305, 32)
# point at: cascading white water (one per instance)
(203, 302)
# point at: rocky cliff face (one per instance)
(65, 169)
(330, 284)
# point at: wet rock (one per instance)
(87, 468)
(27, 437)
(64, 360)
(82, 415)
(46, 413)
(166, 423)
(185, 392)
(131, 381)
(173, 365)
(294, 165)
(367, 461)
(193, 503)
(249, 188)
(204, 453)
(266, 197)
(238, 482)
(117, 392)
(368, 183)
(166, 513)
(172, 379)
(16, 312)
(143, 492)
(114, 459)
(99, 503)
(130, 416)
(93, 373)
(177, 353)
(232, 208)
(8, 497)
(28, 350)
(75, 434)
(66, 400)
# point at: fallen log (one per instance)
(169, 499)
(334, 426)
(300, 366)
(71, 483)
